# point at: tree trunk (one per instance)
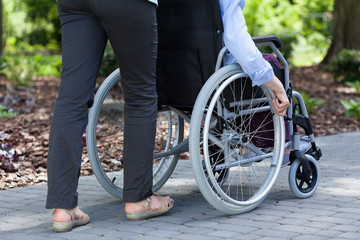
(346, 30)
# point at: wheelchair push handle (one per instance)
(266, 39)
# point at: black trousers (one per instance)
(86, 25)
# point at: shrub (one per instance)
(19, 70)
(288, 39)
(108, 64)
(355, 85)
(3, 64)
(47, 65)
(311, 103)
(7, 113)
(346, 66)
(352, 108)
(268, 16)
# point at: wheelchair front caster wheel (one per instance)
(299, 185)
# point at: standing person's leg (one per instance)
(83, 43)
(132, 30)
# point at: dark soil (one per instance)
(28, 132)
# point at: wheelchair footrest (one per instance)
(315, 153)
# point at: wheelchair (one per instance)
(235, 140)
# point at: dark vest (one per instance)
(190, 38)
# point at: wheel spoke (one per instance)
(239, 156)
(105, 138)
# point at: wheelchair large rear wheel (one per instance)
(104, 137)
(236, 141)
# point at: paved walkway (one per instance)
(333, 212)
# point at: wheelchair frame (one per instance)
(304, 174)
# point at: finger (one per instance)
(276, 107)
(282, 104)
(277, 104)
(279, 108)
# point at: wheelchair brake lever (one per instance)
(289, 92)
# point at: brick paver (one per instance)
(333, 212)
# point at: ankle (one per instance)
(134, 206)
(60, 215)
(128, 207)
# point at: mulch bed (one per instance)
(329, 118)
(28, 132)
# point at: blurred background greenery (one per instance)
(303, 26)
(31, 33)
(313, 32)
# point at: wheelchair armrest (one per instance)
(269, 38)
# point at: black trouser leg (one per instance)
(131, 28)
(83, 43)
(134, 40)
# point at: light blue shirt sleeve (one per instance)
(154, 1)
(241, 47)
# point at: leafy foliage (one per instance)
(352, 108)
(346, 66)
(306, 23)
(20, 71)
(46, 25)
(33, 25)
(108, 64)
(317, 21)
(355, 85)
(7, 113)
(3, 64)
(288, 39)
(311, 103)
(33, 22)
(265, 17)
(47, 65)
